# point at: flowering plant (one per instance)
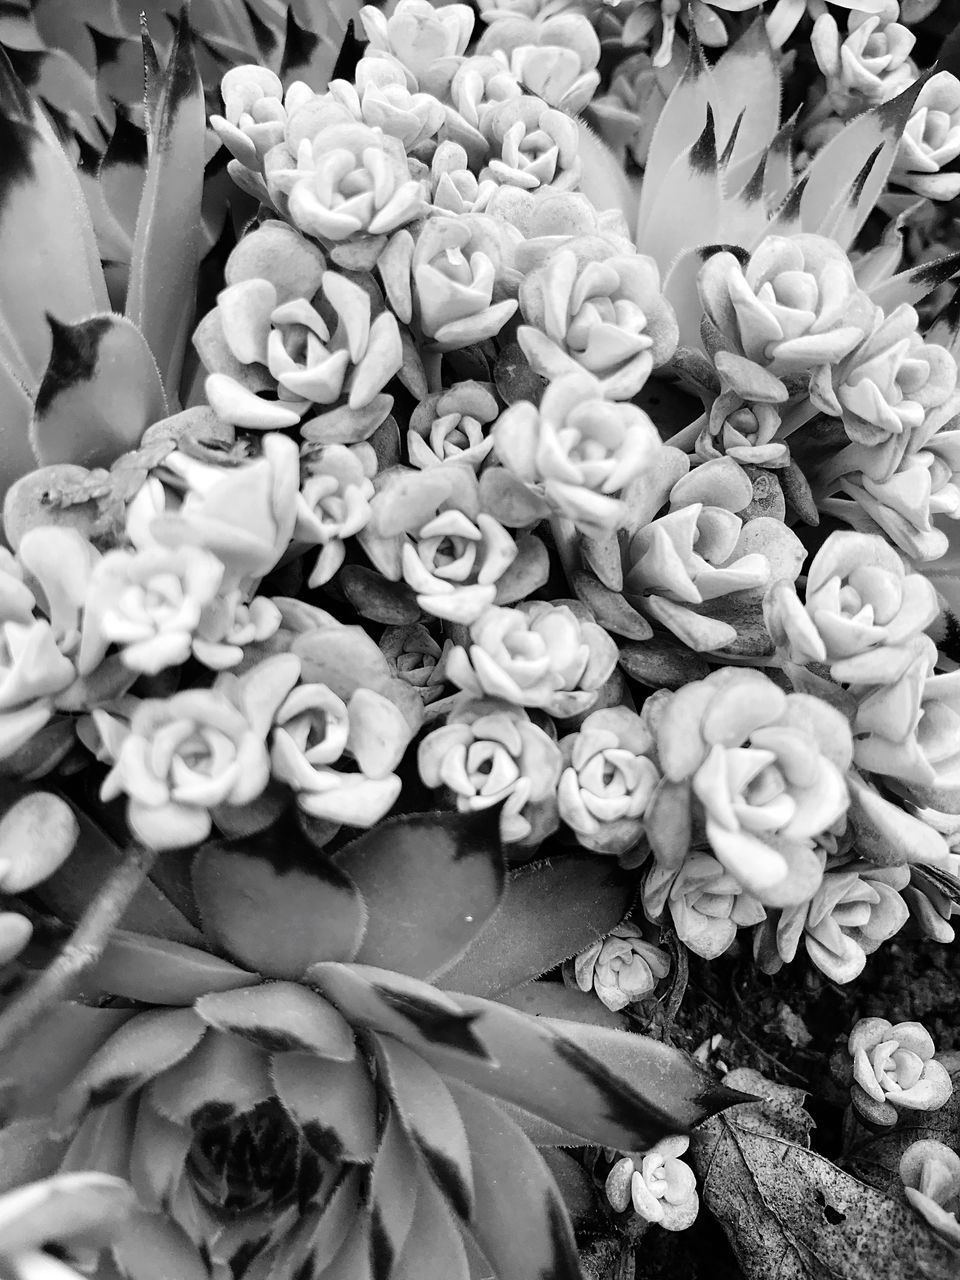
(479, 522)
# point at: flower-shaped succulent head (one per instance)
(607, 780)
(453, 425)
(862, 609)
(456, 271)
(767, 769)
(417, 33)
(552, 656)
(621, 968)
(870, 64)
(931, 140)
(607, 316)
(894, 1070)
(531, 145)
(795, 304)
(707, 904)
(659, 1185)
(254, 113)
(336, 489)
(930, 1173)
(578, 450)
(490, 752)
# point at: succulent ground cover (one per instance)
(479, 691)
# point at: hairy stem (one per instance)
(82, 949)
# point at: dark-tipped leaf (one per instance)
(587, 898)
(393, 1194)
(275, 906)
(520, 1221)
(430, 1116)
(333, 1102)
(223, 1072)
(434, 1249)
(430, 882)
(100, 392)
(166, 246)
(280, 1017)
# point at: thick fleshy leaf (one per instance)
(100, 392)
(844, 157)
(28, 1151)
(154, 1247)
(520, 1221)
(546, 999)
(71, 1206)
(417, 1014)
(749, 61)
(693, 180)
(430, 882)
(587, 898)
(914, 285)
(611, 1087)
(149, 1044)
(40, 1066)
(166, 247)
(16, 407)
(430, 1116)
(334, 1103)
(281, 1017)
(159, 972)
(49, 259)
(275, 906)
(434, 1249)
(223, 1072)
(393, 1195)
(157, 1154)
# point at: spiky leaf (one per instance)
(166, 246)
(274, 905)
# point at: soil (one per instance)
(787, 1026)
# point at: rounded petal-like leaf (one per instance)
(281, 1017)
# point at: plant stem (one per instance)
(82, 949)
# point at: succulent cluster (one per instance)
(613, 517)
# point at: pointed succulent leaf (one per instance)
(155, 971)
(49, 257)
(416, 1013)
(430, 1116)
(609, 607)
(678, 126)
(844, 156)
(579, 1081)
(166, 247)
(520, 1222)
(317, 1239)
(693, 181)
(440, 874)
(157, 1155)
(275, 906)
(280, 1017)
(222, 1071)
(43, 1063)
(434, 1249)
(588, 897)
(100, 392)
(334, 1103)
(147, 1045)
(28, 1151)
(16, 408)
(914, 285)
(392, 1198)
(546, 999)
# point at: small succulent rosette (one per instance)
(659, 1185)
(894, 1070)
(621, 969)
(930, 1173)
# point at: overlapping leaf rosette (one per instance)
(295, 1089)
(614, 515)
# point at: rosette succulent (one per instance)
(894, 1070)
(707, 904)
(765, 772)
(291, 1092)
(603, 314)
(608, 779)
(661, 1188)
(930, 1173)
(621, 968)
(862, 609)
(577, 451)
(491, 753)
(551, 656)
(453, 425)
(931, 140)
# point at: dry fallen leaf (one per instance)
(792, 1215)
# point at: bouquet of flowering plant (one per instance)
(500, 549)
